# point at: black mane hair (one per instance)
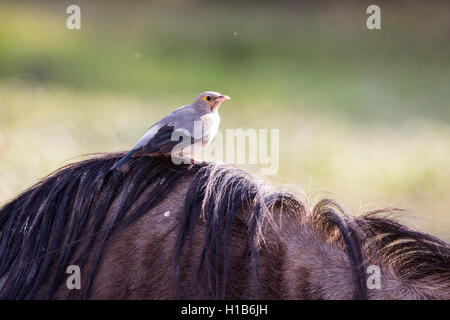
(41, 229)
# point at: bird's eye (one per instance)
(208, 98)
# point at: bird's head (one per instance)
(210, 100)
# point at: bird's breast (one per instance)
(210, 124)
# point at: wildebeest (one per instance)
(203, 231)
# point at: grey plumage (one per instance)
(158, 139)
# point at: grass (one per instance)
(364, 116)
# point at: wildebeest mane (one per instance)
(414, 255)
(221, 192)
(42, 229)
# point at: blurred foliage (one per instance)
(362, 114)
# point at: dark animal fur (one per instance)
(234, 237)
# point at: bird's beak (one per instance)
(222, 98)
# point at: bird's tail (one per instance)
(123, 164)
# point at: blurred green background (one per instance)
(364, 115)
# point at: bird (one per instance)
(158, 140)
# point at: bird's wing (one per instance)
(152, 143)
(169, 120)
(158, 139)
(160, 143)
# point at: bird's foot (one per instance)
(198, 161)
